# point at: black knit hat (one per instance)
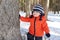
(38, 8)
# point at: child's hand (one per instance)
(23, 14)
(48, 35)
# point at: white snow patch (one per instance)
(53, 24)
(54, 33)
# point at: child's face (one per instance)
(36, 13)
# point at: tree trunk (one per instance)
(47, 8)
(9, 21)
(45, 4)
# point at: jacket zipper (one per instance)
(34, 26)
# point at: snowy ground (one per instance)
(53, 23)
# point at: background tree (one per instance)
(45, 4)
(55, 6)
(9, 21)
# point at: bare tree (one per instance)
(9, 21)
(47, 8)
(45, 4)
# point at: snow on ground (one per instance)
(53, 23)
(53, 17)
(54, 28)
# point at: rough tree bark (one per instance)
(9, 22)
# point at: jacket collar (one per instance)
(37, 17)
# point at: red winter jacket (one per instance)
(37, 27)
